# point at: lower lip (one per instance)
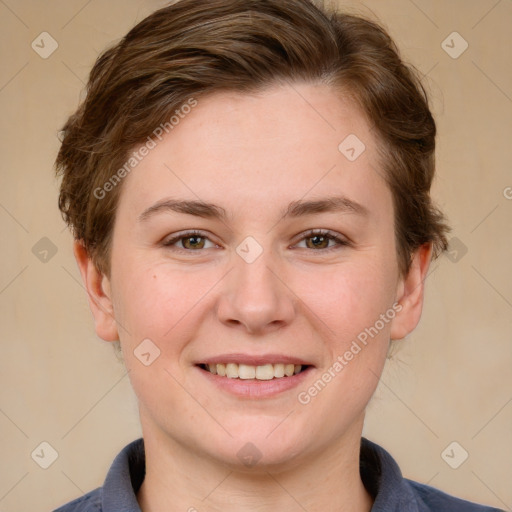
(252, 388)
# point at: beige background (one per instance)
(451, 381)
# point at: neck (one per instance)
(180, 480)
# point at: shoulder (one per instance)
(90, 502)
(119, 489)
(393, 493)
(432, 499)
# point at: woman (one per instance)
(248, 186)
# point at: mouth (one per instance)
(250, 377)
(268, 371)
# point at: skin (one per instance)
(253, 155)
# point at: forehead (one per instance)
(260, 150)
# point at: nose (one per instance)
(255, 297)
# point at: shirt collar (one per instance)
(384, 481)
(379, 472)
(124, 479)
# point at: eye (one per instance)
(195, 241)
(320, 240)
(189, 241)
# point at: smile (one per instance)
(254, 376)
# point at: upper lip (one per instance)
(256, 360)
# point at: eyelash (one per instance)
(309, 234)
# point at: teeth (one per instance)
(289, 369)
(232, 371)
(265, 372)
(279, 370)
(247, 372)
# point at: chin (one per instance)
(254, 451)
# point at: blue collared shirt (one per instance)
(379, 472)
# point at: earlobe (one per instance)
(410, 293)
(98, 290)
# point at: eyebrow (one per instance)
(295, 208)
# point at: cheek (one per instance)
(156, 303)
(350, 304)
(349, 298)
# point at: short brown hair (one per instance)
(193, 48)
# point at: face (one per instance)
(287, 265)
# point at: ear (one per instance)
(410, 293)
(98, 290)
